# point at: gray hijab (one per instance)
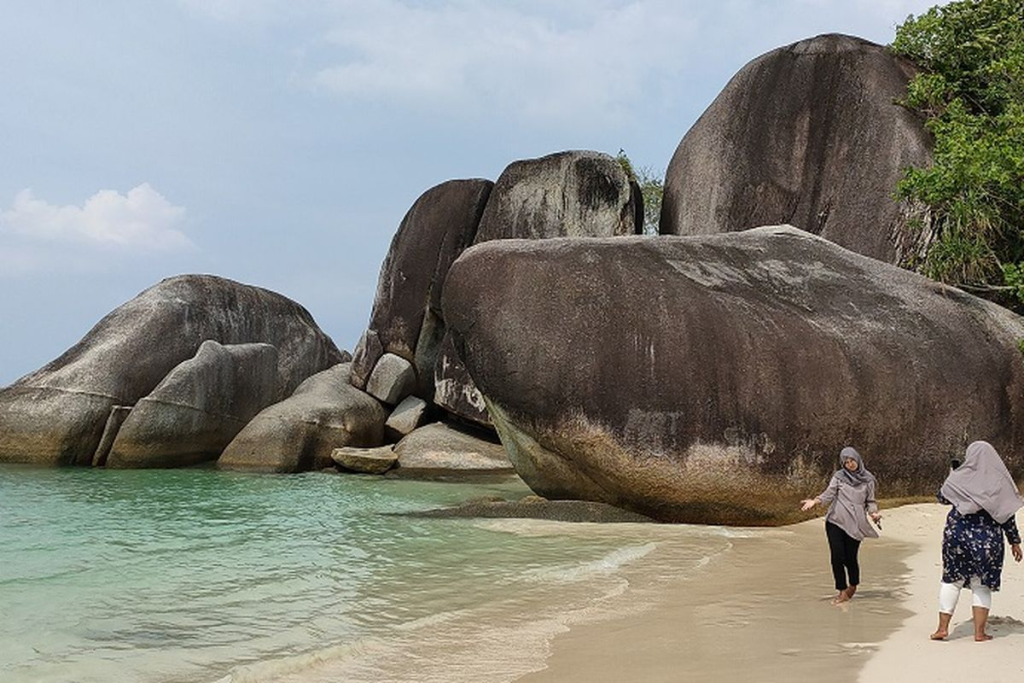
(982, 482)
(860, 475)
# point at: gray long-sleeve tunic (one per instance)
(849, 507)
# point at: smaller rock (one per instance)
(405, 418)
(392, 379)
(439, 449)
(301, 432)
(365, 460)
(454, 389)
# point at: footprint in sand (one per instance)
(1009, 622)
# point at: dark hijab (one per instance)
(860, 475)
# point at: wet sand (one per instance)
(762, 611)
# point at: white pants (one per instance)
(949, 593)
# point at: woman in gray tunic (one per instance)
(851, 499)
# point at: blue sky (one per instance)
(279, 143)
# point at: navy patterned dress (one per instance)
(972, 545)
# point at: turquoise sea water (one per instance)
(201, 575)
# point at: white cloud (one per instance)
(575, 62)
(524, 59)
(141, 220)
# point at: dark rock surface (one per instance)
(57, 414)
(299, 434)
(454, 389)
(567, 194)
(406, 309)
(811, 135)
(198, 408)
(118, 414)
(715, 379)
(535, 507)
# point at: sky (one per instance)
(280, 142)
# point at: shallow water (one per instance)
(201, 575)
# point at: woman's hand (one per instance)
(875, 517)
(1017, 554)
(806, 505)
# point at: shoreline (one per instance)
(958, 658)
(761, 611)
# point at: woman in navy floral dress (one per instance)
(984, 499)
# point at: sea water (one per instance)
(201, 575)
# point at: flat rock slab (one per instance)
(365, 460)
(535, 507)
(438, 448)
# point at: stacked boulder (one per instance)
(166, 379)
(197, 408)
(813, 135)
(405, 351)
(300, 433)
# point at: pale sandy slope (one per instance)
(907, 654)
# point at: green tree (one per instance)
(652, 186)
(971, 92)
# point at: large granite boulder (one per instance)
(57, 414)
(715, 379)
(566, 194)
(406, 318)
(298, 434)
(198, 408)
(811, 135)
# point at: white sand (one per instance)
(762, 613)
(908, 654)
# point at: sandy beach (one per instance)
(762, 612)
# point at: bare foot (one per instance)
(841, 598)
(982, 638)
(939, 635)
(851, 590)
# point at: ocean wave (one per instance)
(277, 669)
(607, 564)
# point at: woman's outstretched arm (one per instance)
(823, 498)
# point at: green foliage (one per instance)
(652, 186)
(972, 95)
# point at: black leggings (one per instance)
(844, 556)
